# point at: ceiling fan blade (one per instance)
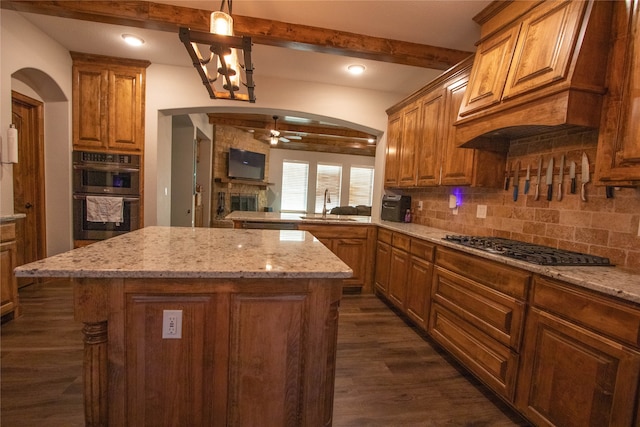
(283, 139)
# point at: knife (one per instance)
(572, 176)
(507, 175)
(584, 176)
(527, 179)
(561, 177)
(516, 178)
(537, 194)
(550, 179)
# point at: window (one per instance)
(295, 176)
(329, 178)
(361, 186)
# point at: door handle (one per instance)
(28, 205)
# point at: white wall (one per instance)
(26, 51)
(277, 156)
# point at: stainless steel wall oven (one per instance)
(110, 184)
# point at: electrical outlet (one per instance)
(419, 205)
(481, 212)
(171, 324)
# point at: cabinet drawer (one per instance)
(498, 315)
(335, 231)
(7, 232)
(494, 364)
(598, 313)
(384, 235)
(401, 241)
(422, 249)
(508, 280)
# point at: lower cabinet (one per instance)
(477, 314)
(559, 354)
(575, 371)
(355, 246)
(9, 304)
(403, 274)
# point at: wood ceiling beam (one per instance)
(163, 17)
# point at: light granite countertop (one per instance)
(182, 252)
(280, 217)
(615, 281)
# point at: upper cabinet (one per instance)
(618, 159)
(537, 64)
(108, 103)
(421, 139)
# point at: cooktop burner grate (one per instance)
(529, 252)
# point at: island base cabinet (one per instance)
(249, 352)
(571, 377)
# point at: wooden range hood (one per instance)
(539, 67)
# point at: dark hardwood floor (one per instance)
(387, 374)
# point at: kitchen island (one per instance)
(209, 327)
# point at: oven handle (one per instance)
(126, 199)
(106, 168)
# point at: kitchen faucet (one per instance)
(327, 198)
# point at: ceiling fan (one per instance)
(274, 134)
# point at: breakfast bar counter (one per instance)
(203, 326)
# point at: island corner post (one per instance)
(268, 348)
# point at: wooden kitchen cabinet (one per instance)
(108, 103)
(383, 262)
(537, 64)
(477, 314)
(403, 274)
(580, 359)
(429, 155)
(355, 246)
(392, 156)
(618, 158)
(9, 300)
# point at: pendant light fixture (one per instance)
(223, 81)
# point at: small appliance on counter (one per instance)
(394, 207)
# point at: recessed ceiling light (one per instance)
(132, 40)
(356, 69)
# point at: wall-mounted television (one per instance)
(245, 164)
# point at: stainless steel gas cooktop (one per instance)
(528, 252)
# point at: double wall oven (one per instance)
(110, 179)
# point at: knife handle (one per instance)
(526, 187)
(559, 191)
(537, 194)
(506, 183)
(549, 192)
(583, 192)
(573, 186)
(515, 192)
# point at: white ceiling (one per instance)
(442, 23)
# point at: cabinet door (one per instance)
(398, 273)
(383, 261)
(419, 291)
(126, 120)
(457, 163)
(429, 153)
(489, 72)
(618, 151)
(90, 127)
(8, 284)
(352, 252)
(392, 157)
(543, 51)
(408, 145)
(573, 377)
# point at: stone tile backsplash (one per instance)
(600, 226)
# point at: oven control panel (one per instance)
(92, 157)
